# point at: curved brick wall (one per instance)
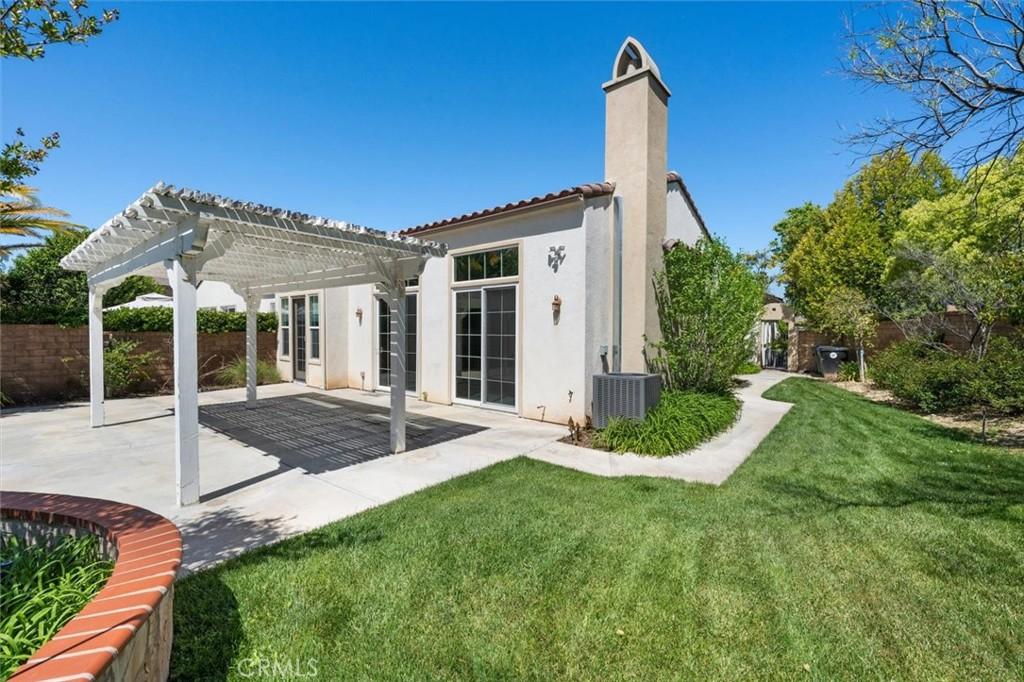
(125, 632)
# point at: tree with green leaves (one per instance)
(962, 252)
(38, 290)
(709, 300)
(847, 245)
(27, 29)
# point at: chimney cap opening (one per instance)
(633, 59)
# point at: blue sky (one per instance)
(394, 115)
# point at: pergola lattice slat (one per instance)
(184, 237)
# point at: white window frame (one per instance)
(283, 329)
(313, 331)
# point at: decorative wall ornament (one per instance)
(556, 255)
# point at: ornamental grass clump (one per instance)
(679, 422)
(233, 373)
(42, 587)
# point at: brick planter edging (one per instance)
(125, 631)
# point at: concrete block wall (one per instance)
(45, 363)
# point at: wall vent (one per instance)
(624, 396)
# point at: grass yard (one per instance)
(858, 542)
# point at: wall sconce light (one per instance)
(359, 315)
(556, 304)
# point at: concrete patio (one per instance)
(301, 459)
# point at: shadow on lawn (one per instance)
(208, 632)
(979, 484)
(207, 629)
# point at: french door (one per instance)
(299, 327)
(384, 343)
(485, 346)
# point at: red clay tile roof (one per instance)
(594, 189)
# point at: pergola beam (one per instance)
(160, 247)
(394, 286)
(182, 276)
(251, 348)
(96, 381)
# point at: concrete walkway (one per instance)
(251, 496)
(713, 462)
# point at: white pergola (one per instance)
(184, 237)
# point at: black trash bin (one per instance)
(828, 359)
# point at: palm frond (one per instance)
(22, 214)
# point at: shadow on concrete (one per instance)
(319, 433)
(224, 534)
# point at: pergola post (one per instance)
(96, 387)
(396, 302)
(181, 273)
(251, 355)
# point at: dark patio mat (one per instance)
(320, 433)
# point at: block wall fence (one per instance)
(46, 363)
(802, 342)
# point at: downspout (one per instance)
(617, 286)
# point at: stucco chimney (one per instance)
(635, 159)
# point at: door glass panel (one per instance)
(299, 323)
(467, 344)
(501, 358)
(383, 343)
(410, 342)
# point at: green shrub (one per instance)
(233, 373)
(43, 588)
(748, 367)
(161, 319)
(931, 380)
(708, 301)
(679, 422)
(999, 382)
(848, 371)
(123, 368)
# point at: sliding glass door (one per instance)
(384, 343)
(485, 346)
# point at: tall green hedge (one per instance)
(162, 320)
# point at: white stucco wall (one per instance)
(334, 320)
(599, 292)
(682, 223)
(211, 294)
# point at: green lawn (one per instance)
(858, 542)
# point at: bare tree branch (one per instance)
(962, 66)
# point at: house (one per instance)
(535, 296)
(210, 295)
